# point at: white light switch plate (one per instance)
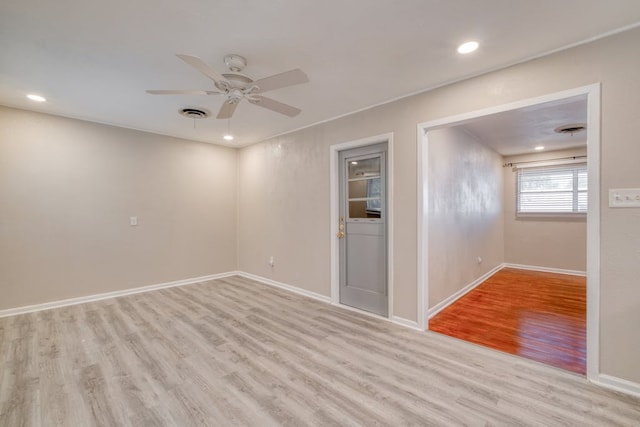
(133, 221)
(624, 198)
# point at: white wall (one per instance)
(465, 211)
(544, 242)
(68, 188)
(300, 230)
(284, 197)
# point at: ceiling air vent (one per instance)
(194, 113)
(571, 129)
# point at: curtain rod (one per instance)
(515, 164)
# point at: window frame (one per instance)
(575, 168)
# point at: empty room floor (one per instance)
(235, 352)
(537, 315)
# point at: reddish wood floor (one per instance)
(540, 316)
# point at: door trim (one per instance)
(334, 203)
(593, 210)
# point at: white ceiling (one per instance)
(94, 60)
(520, 131)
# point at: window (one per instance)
(552, 190)
(374, 202)
(365, 188)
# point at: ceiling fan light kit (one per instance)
(235, 86)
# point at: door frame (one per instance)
(334, 203)
(593, 208)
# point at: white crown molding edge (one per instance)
(456, 296)
(456, 80)
(107, 295)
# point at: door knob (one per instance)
(340, 234)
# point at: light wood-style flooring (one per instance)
(235, 352)
(538, 315)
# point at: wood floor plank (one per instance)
(537, 315)
(236, 352)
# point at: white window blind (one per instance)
(552, 190)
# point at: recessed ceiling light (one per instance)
(36, 98)
(539, 148)
(468, 47)
(228, 137)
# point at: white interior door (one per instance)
(363, 229)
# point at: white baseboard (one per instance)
(603, 380)
(358, 310)
(284, 286)
(617, 384)
(453, 298)
(107, 295)
(546, 269)
(405, 322)
(323, 298)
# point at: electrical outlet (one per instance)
(479, 260)
(272, 261)
(624, 197)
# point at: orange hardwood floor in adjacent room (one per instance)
(540, 316)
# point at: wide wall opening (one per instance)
(504, 229)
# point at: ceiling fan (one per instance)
(236, 86)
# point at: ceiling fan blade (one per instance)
(227, 110)
(201, 66)
(183, 92)
(277, 106)
(277, 81)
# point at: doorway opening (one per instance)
(361, 225)
(497, 211)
